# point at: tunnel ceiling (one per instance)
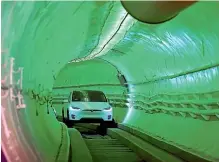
(122, 37)
(91, 74)
(106, 30)
(173, 65)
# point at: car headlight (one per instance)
(107, 109)
(74, 108)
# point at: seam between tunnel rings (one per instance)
(98, 40)
(61, 143)
(177, 75)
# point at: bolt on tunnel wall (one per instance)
(171, 68)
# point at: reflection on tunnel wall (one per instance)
(172, 69)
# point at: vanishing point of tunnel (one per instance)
(154, 64)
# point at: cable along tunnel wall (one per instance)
(172, 69)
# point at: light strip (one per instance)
(115, 36)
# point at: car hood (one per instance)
(90, 105)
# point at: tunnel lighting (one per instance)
(130, 109)
(128, 22)
(128, 104)
(118, 30)
(129, 100)
(215, 71)
(129, 113)
(110, 36)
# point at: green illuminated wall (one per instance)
(172, 69)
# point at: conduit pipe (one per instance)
(154, 12)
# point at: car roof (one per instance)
(87, 91)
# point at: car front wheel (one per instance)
(109, 124)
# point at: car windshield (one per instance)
(89, 96)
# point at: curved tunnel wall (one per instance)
(171, 68)
(93, 73)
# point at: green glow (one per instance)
(176, 62)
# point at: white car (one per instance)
(89, 106)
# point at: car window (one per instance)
(77, 96)
(88, 96)
(95, 96)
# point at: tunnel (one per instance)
(162, 79)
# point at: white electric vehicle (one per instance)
(89, 106)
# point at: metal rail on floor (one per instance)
(123, 142)
(104, 148)
(111, 150)
(119, 145)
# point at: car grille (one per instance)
(91, 110)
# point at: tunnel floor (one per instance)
(112, 143)
(103, 148)
(110, 150)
